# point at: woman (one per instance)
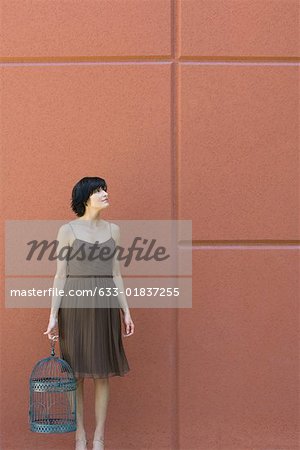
(90, 326)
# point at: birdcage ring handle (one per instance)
(54, 339)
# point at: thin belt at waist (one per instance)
(89, 276)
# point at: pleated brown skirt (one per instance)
(90, 338)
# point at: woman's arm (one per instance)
(117, 277)
(127, 320)
(63, 238)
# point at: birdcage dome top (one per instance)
(51, 365)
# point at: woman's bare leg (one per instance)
(101, 403)
(80, 432)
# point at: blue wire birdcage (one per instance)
(52, 395)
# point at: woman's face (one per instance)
(99, 199)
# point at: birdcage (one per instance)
(52, 395)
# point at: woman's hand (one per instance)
(128, 324)
(51, 325)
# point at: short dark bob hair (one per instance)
(82, 191)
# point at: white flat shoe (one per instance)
(98, 444)
(81, 444)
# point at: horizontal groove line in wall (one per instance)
(240, 58)
(76, 59)
(150, 60)
(219, 245)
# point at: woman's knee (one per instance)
(101, 380)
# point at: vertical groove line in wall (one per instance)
(174, 204)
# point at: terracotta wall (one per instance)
(190, 110)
